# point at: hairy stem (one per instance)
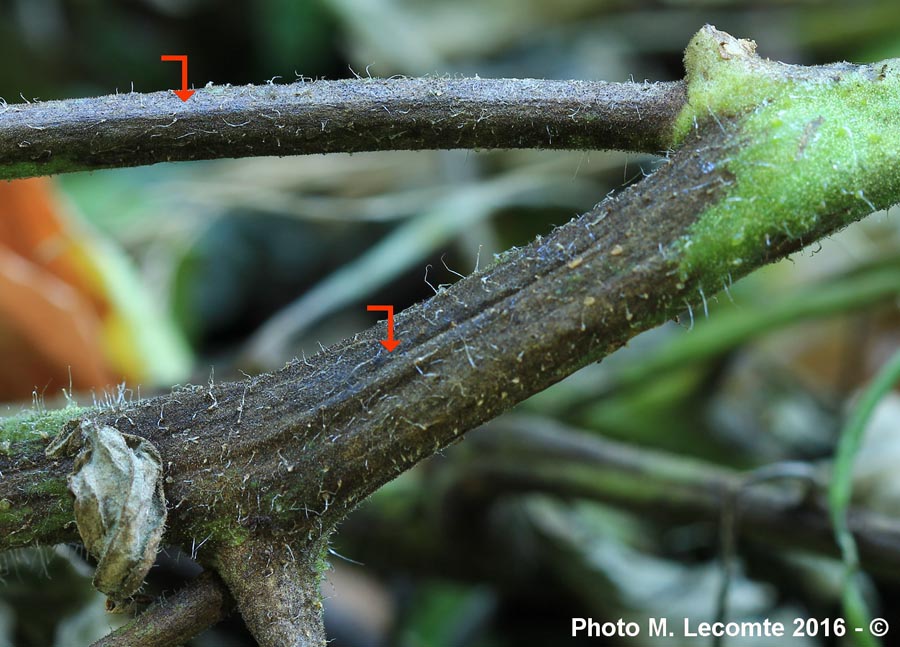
(293, 451)
(176, 619)
(277, 591)
(335, 116)
(296, 449)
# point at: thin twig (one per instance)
(542, 455)
(176, 619)
(730, 522)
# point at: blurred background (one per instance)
(129, 281)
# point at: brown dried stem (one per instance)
(176, 619)
(335, 116)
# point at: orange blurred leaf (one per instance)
(52, 299)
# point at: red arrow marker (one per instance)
(184, 94)
(390, 343)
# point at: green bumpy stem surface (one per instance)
(819, 148)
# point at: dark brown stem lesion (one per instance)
(307, 117)
(294, 450)
(287, 455)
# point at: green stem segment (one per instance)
(818, 148)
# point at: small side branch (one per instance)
(175, 620)
(335, 116)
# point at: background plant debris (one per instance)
(151, 276)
